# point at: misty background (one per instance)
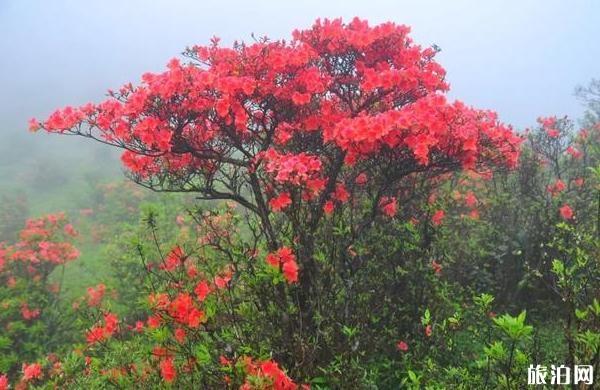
(520, 58)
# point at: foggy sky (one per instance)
(520, 58)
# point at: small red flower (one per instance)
(179, 335)
(428, 331)
(280, 202)
(167, 370)
(31, 371)
(438, 217)
(402, 346)
(202, 290)
(361, 179)
(566, 212)
(470, 199)
(224, 361)
(437, 267)
(341, 194)
(328, 207)
(387, 204)
(95, 295)
(290, 271)
(284, 257)
(575, 153)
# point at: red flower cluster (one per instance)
(31, 371)
(173, 260)
(95, 295)
(296, 169)
(281, 201)
(269, 370)
(438, 217)
(167, 370)
(388, 206)
(285, 101)
(556, 188)
(100, 333)
(566, 212)
(429, 125)
(29, 314)
(402, 346)
(285, 259)
(184, 311)
(40, 243)
(549, 124)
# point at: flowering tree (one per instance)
(30, 319)
(322, 140)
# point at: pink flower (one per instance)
(566, 212)
(328, 207)
(428, 331)
(438, 217)
(280, 202)
(167, 370)
(402, 346)
(361, 179)
(95, 295)
(31, 371)
(575, 153)
(437, 267)
(388, 206)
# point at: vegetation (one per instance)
(336, 223)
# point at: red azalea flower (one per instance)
(31, 371)
(566, 212)
(388, 206)
(438, 217)
(402, 346)
(280, 202)
(202, 290)
(167, 370)
(328, 207)
(290, 271)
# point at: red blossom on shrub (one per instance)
(470, 199)
(202, 290)
(437, 267)
(402, 346)
(388, 206)
(167, 370)
(361, 179)
(438, 217)
(281, 201)
(285, 258)
(328, 207)
(95, 295)
(428, 331)
(173, 260)
(100, 333)
(184, 311)
(566, 212)
(222, 280)
(29, 314)
(270, 370)
(31, 371)
(179, 335)
(574, 152)
(557, 187)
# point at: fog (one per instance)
(522, 59)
